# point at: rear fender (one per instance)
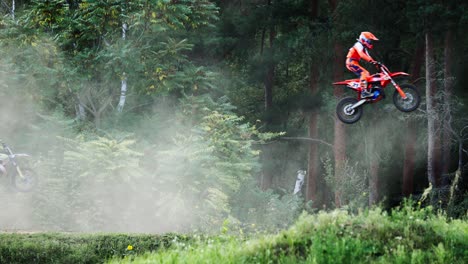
(341, 83)
(354, 85)
(394, 74)
(346, 82)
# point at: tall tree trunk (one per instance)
(13, 7)
(269, 90)
(373, 157)
(374, 192)
(333, 4)
(123, 85)
(262, 42)
(267, 177)
(339, 142)
(409, 159)
(267, 171)
(123, 93)
(448, 86)
(269, 78)
(433, 138)
(312, 176)
(313, 163)
(410, 138)
(314, 4)
(80, 111)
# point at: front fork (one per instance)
(18, 169)
(20, 174)
(400, 91)
(397, 87)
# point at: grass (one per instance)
(78, 248)
(405, 235)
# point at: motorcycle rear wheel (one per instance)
(26, 183)
(345, 113)
(412, 101)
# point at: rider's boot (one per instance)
(365, 92)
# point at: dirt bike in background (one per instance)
(406, 97)
(15, 167)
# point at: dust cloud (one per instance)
(135, 195)
(139, 195)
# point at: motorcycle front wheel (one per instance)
(345, 113)
(412, 101)
(24, 182)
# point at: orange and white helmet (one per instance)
(366, 38)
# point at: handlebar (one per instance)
(380, 66)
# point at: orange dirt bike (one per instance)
(406, 97)
(22, 178)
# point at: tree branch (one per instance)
(308, 139)
(418, 79)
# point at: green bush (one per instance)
(76, 248)
(264, 211)
(408, 234)
(405, 235)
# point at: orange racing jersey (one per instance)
(358, 52)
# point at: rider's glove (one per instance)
(375, 62)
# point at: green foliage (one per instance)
(206, 165)
(19, 248)
(84, 177)
(406, 235)
(430, 13)
(351, 184)
(77, 47)
(33, 64)
(47, 15)
(264, 211)
(102, 158)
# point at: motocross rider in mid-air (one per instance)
(360, 51)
